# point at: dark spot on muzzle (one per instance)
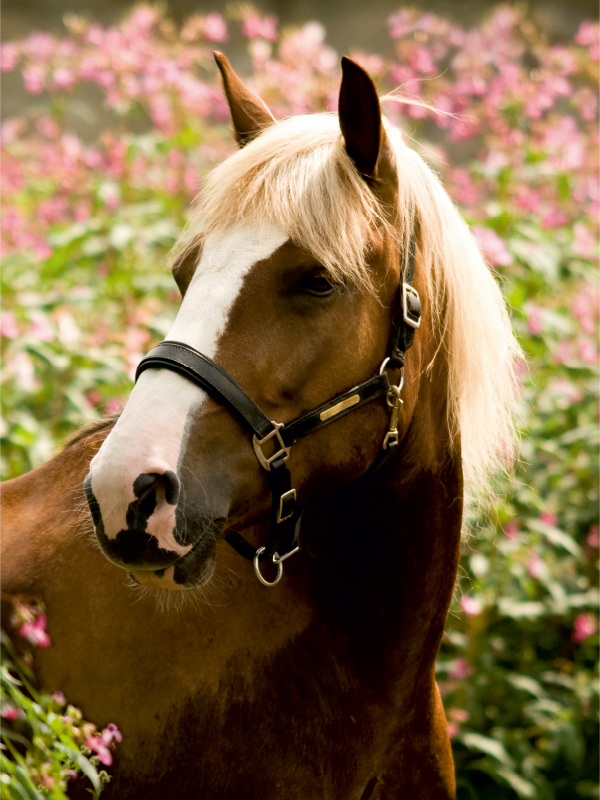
(132, 546)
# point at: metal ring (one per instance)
(383, 366)
(257, 571)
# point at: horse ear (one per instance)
(360, 118)
(248, 112)
(185, 265)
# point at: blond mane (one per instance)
(298, 175)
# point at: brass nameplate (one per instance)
(331, 412)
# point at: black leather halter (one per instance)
(272, 440)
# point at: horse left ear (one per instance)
(185, 265)
(360, 118)
(249, 114)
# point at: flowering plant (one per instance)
(45, 742)
(98, 176)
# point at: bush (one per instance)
(45, 742)
(88, 224)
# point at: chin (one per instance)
(179, 577)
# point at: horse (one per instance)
(257, 588)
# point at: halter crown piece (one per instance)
(273, 440)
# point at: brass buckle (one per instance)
(292, 495)
(282, 452)
(408, 289)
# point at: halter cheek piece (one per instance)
(272, 440)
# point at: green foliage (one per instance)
(88, 224)
(44, 741)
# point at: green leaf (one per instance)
(519, 610)
(492, 747)
(555, 535)
(526, 684)
(522, 787)
(84, 765)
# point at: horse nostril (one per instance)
(151, 482)
(172, 487)
(144, 483)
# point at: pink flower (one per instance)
(563, 352)
(39, 46)
(422, 62)
(554, 219)
(48, 127)
(511, 530)
(471, 606)
(114, 406)
(453, 729)
(462, 669)
(11, 130)
(588, 351)
(93, 397)
(59, 698)
(458, 714)
(256, 28)
(528, 199)
(40, 327)
(97, 746)
(21, 366)
(215, 28)
(400, 24)
(9, 56)
(63, 78)
(534, 324)
(589, 35)
(100, 744)
(585, 626)
(10, 712)
(549, 519)
(114, 731)
(593, 538)
(534, 567)
(8, 325)
(492, 246)
(33, 77)
(35, 632)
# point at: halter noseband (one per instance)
(272, 440)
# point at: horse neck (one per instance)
(385, 554)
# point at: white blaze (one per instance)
(150, 432)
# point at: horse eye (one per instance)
(317, 284)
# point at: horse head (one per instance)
(289, 271)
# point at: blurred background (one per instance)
(350, 24)
(112, 115)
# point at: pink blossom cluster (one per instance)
(532, 108)
(30, 622)
(143, 61)
(102, 743)
(522, 115)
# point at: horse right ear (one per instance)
(249, 114)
